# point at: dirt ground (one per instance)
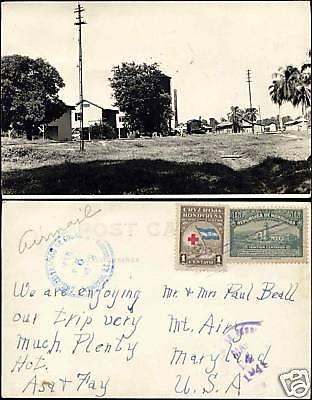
(208, 163)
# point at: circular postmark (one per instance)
(76, 264)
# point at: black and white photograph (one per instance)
(155, 98)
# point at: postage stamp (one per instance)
(76, 264)
(201, 236)
(260, 233)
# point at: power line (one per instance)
(80, 22)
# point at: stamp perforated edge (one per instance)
(227, 260)
(196, 268)
(278, 260)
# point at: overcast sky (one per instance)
(206, 47)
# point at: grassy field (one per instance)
(206, 164)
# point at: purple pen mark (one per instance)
(244, 327)
(250, 363)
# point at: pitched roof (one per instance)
(88, 101)
(224, 124)
(95, 105)
(295, 122)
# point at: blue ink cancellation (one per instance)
(77, 264)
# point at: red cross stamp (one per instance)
(193, 239)
(201, 236)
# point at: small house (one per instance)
(297, 124)
(94, 114)
(272, 127)
(246, 127)
(224, 126)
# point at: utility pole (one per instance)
(260, 119)
(80, 22)
(250, 103)
(175, 97)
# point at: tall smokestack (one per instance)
(175, 99)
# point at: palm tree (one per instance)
(302, 94)
(283, 86)
(276, 95)
(288, 79)
(250, 116)
(306, 69)
(236, 117)
(302, 97)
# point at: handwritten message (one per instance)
(205, 353)
(105, 328)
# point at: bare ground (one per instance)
(210, 163)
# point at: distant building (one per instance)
(165, 82)
(298, 124)
(198, 126)
(272, 127)
(109, 116)
(224, 126)
(122, 130)
(207, 128)
(246, 127)
(61, 128)
(94, 113)
(213, 123)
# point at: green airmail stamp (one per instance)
(266, 233)
(201, 236)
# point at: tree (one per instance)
(292, 85)
(102, 130)
(236, 117)
(283, 87)
(306, 70)
(269, 121)
(139, 92)
(276, 95)
(302, 94)
(288, 79)
(286, 118)
(250, 115)
(29, 94)
(302, 97)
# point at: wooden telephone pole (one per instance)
(175, 98)
(250, 103)
(80, 22)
